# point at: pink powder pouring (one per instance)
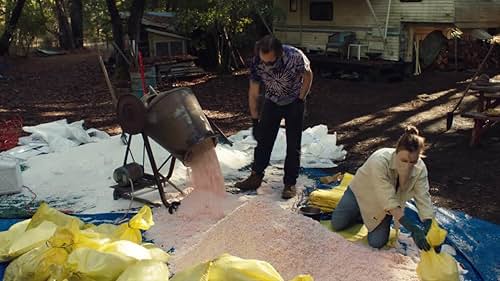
(200, 209)
(294, 245)
(208, 183)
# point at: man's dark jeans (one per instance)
(267, 131)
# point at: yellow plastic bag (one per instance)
(35, 265)
(157, 254)
(227, 267)
(327, 200)
(125, 232)
(346, 180)
(46, 213)
(105, 228)
(9, 236)
(359, 233)
(143, 220)
(28, 240)
(127, 248)
(130, 231)
(82, 238)
(434, 266)
(436, 234)
(90, 239)
(147, 270)
(95, 237)
(98, 266)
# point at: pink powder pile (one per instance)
(294, 245)
(184, 228)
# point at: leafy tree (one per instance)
(225, 23)
(10, 24)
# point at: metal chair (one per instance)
(339, 42)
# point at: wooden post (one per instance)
(387, 19)
(374, 17)
(108, 82)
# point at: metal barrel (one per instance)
(175, 120)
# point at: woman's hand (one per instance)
(396, 213)
(417, 234)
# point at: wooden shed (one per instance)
(159, 37)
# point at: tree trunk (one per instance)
(77, 22)
(171, 5)
(44, 18)
(10, 27)
(116, 26)
(134, 21)
(155, 4)
(65, 34)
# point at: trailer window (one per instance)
(321, 10)
(293, 5)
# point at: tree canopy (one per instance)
(48, 22)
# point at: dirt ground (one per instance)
(366, 116)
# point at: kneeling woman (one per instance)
(380, 189)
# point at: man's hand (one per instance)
(307, 78)
(416, 233)
(255, 129)
(253, 97)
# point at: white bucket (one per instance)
(10, 177)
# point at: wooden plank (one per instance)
(493, 88)
(480, 116)
(492, 95)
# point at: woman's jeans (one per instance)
(347, 214)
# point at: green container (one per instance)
(136, 81)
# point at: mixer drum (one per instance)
(175, 120)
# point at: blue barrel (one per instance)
(136, 81)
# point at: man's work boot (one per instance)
(289, 191)
(253, 182)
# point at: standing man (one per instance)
(285, 73)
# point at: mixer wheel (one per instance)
(131, 114)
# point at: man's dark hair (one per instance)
(268, 44)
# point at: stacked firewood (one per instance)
(470, 53)
(176, 67)
(441, 61)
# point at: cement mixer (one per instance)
(175, 120)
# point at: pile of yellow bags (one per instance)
(434, 266)
(227, 267)
(327, 200)
(52, 246)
